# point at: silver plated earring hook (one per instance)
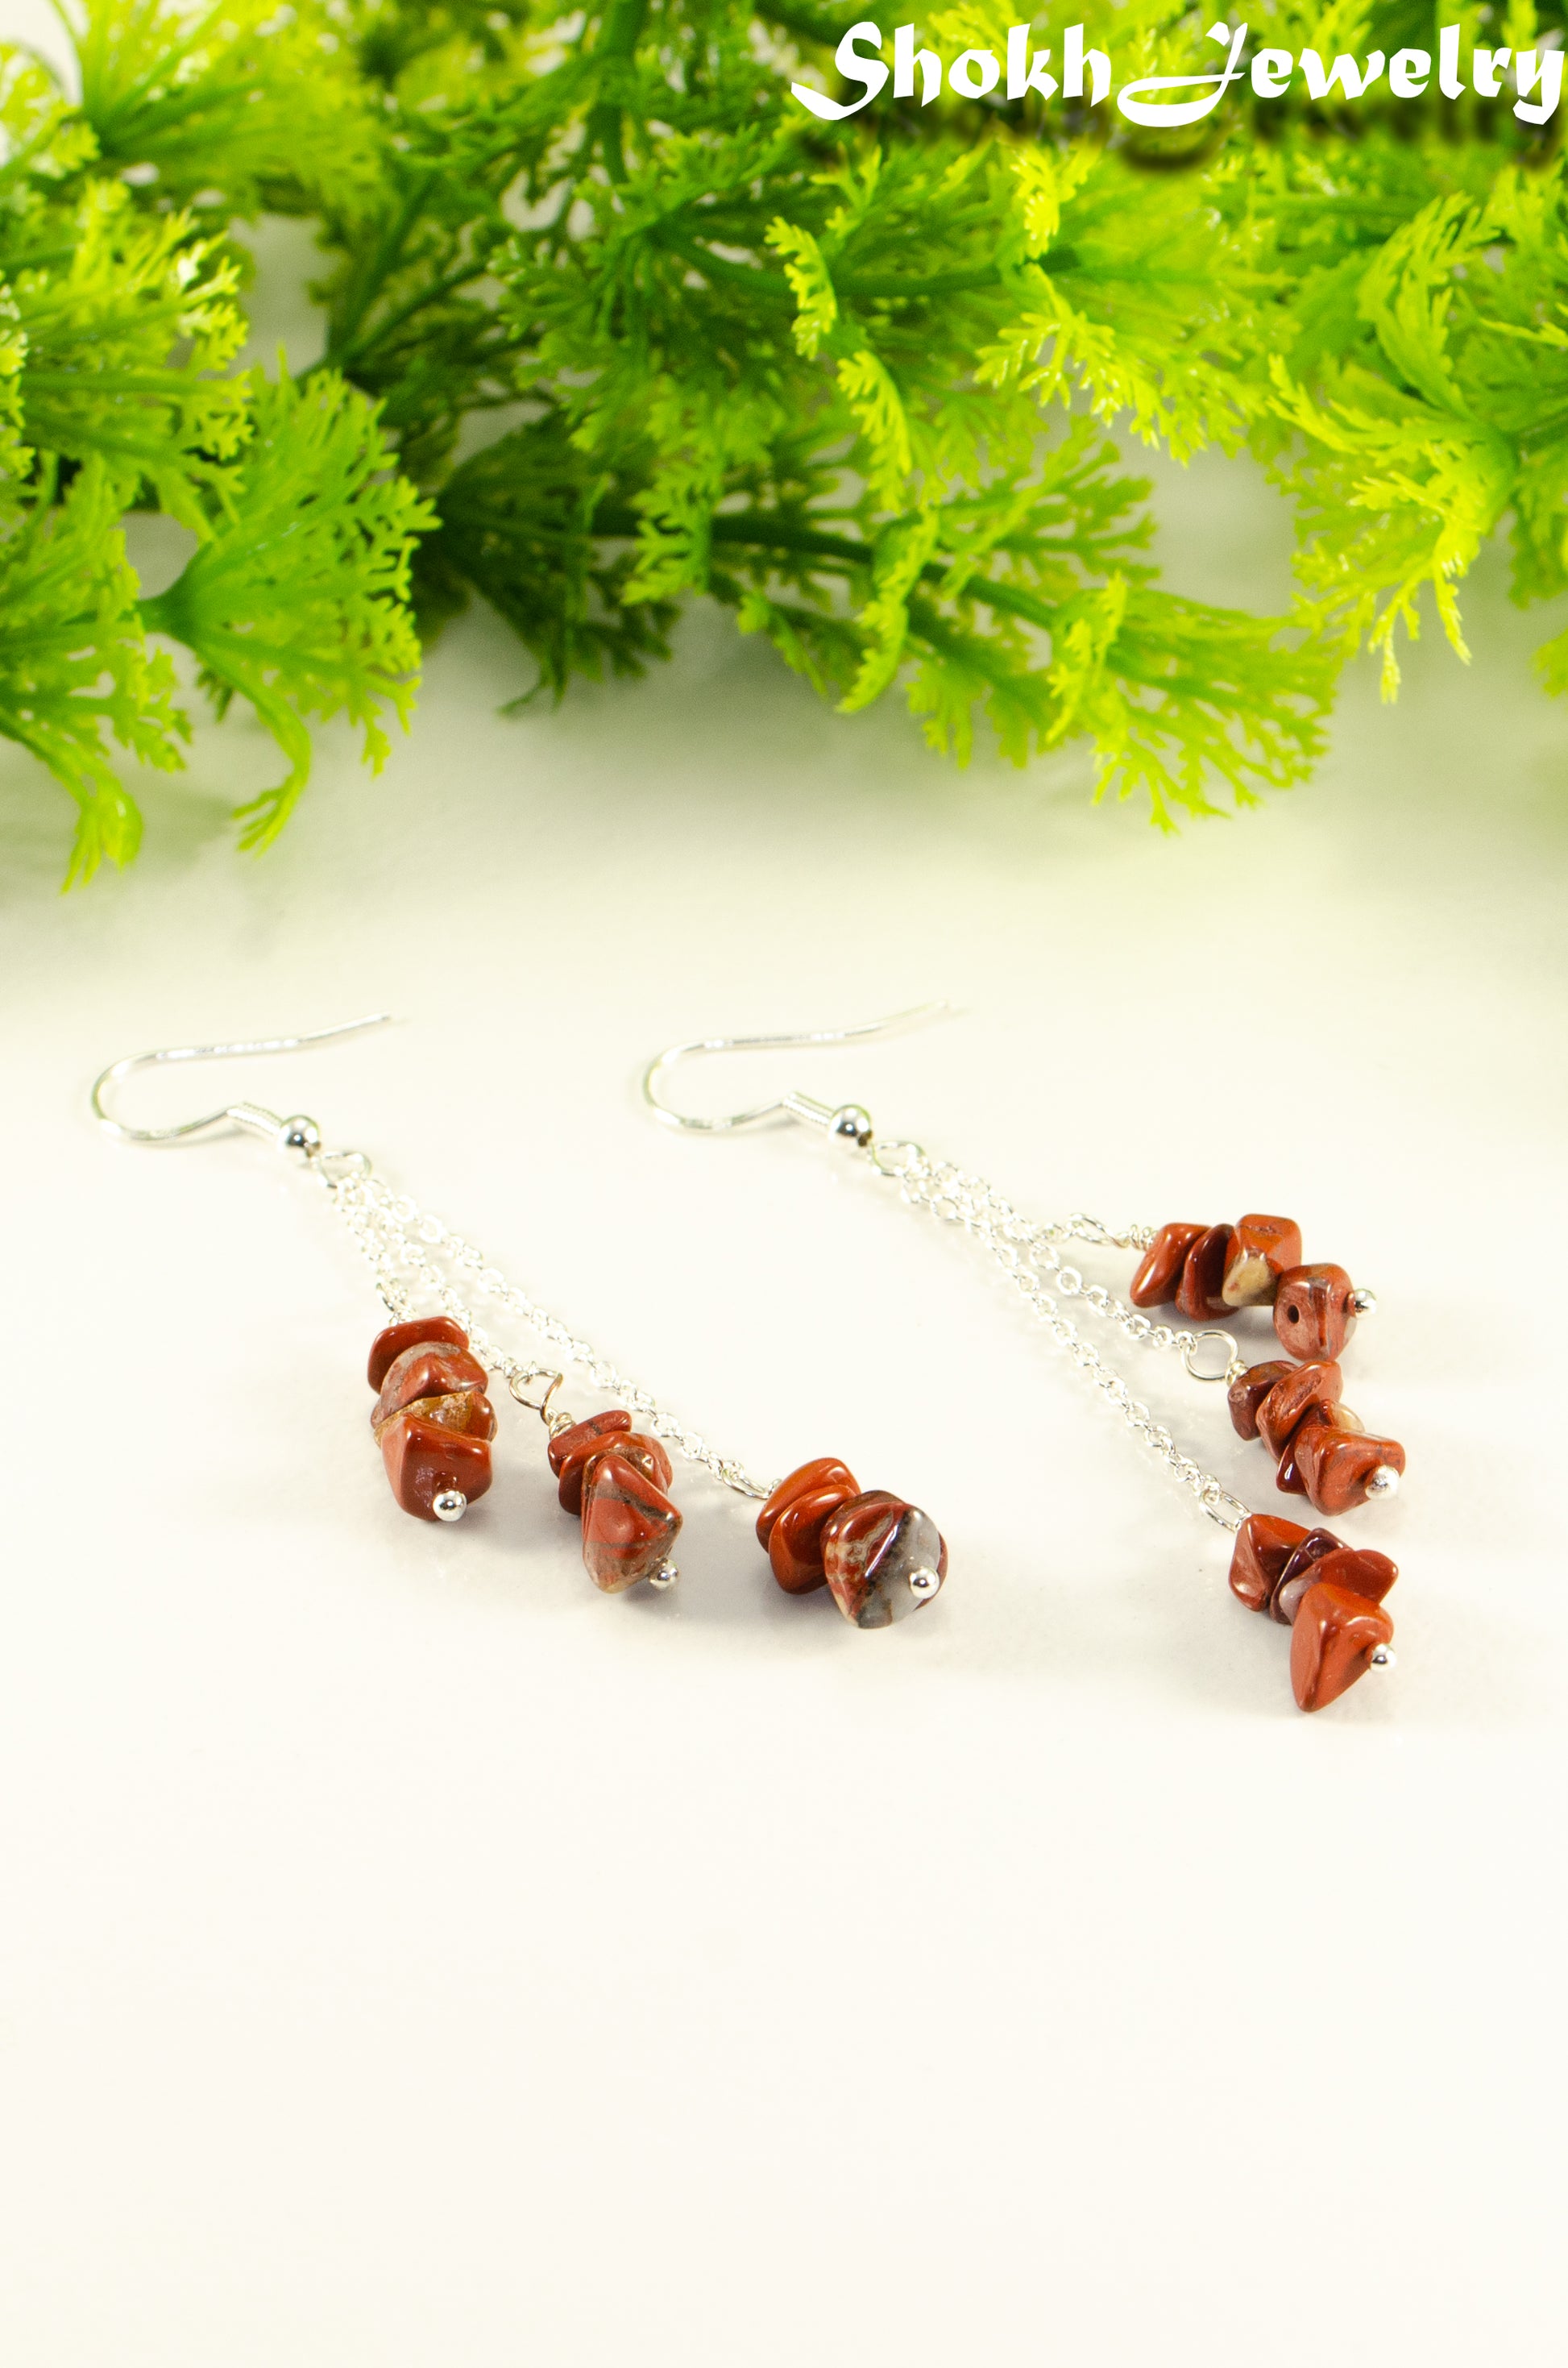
(792, 1105)
(299, 1133)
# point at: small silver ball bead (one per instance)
(449, 1506)
(665, 1576)
(853, 1122)
(1383, 1482)
(1382, 1656)
(924, 1583)
(302, 1134)
(1365, 1303)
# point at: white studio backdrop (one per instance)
(410, 1956)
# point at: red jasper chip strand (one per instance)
(615, 1478)
(431, 1418)
(1208, 1271)
(1319, 1447)
(1329, 1595)
(880, 1557)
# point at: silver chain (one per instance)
(1027, 1252)
(414, 1258)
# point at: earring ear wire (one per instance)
(848, 1119)
(299, 1133)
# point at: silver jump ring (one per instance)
(895, 1158)
(518, 1384)
(1192, 1348)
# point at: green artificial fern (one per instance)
(613, 321)
(296, 597)
(119, 325)
(73, 664)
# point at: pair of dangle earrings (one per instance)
(878, 1555)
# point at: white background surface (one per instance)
(412, 1957)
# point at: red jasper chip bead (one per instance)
(1313, 1547)
(1313, 1314)
(1246, 1394)
(629, 1525)
(790, 1522)
(1154, 1284)
(1264, 1546)
(1200, 1292)
(1288, 1478)
(420, 1331)
(795, 1547)
(424, 1458)
(1262, 1249)
(1336, 1464)
(567, 1445)
(635, 1447)
(1334, 1637)
(1299, 1390)
(883, 1558)
(822, 1472)
(1355, 1568)
(427, 1371)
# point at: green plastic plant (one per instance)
(612, 321)
(120, 320)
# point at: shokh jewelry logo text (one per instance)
(1536, 75)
